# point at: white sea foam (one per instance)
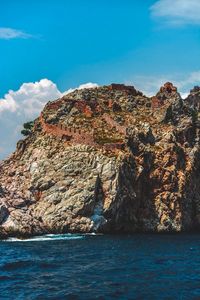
(47, 237)
(97, 217)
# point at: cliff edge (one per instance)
(106, 159)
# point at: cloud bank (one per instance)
(11, 33)
(149, 85)
(177, 12)
(30, 98)
(25, 104)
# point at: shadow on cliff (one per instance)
(159, 188)
(133, 206)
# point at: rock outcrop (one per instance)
(106, 159)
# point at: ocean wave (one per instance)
(47, 237)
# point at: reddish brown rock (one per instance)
(108, 160)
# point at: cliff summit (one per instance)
(106, 159)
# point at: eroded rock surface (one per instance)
(107, 159)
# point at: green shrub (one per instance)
(28, 126)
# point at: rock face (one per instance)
(106, 159)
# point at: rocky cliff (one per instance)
(106, 159)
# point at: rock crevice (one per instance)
(107, 159)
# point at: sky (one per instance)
(48, 47)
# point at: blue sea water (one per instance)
(101, 267)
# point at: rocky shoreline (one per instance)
(106, 159)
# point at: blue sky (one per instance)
(69, 43)
(73, 41)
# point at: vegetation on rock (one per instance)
(28, 126)
(107, 159)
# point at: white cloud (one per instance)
(11, 33)
(30, 98)
(177, 12)
(88, 85)
(186, 83)
(184, 95)
(24, 105)
(150, 85)
(190, 79)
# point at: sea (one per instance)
(75, 266)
